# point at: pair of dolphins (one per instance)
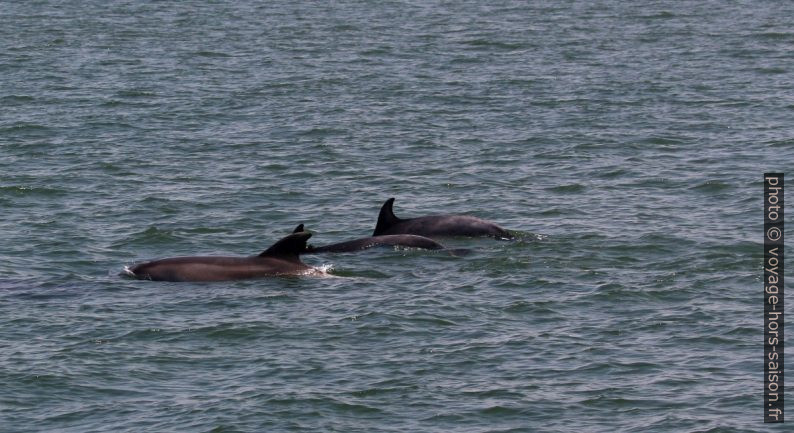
(283, 257)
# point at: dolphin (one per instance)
(280, 259)
(435, 225)
(372, 241)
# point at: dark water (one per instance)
(625, 141)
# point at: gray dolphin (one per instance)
(372, 241)
(280, 259)
(435, 225)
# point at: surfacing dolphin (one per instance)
(435, 225)
(412, 241)
(280, 259)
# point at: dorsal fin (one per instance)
(386, 218)
(289, 247)
(298, 229)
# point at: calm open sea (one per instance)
(624, 141)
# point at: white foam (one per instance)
(322, 271)
(127, 271)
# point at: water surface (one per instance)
(625, 142)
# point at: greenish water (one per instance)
(625, 142)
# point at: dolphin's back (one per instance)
(214, 268)
(280, 259)
(435, 225)
(447, 225)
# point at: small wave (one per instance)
(786, 142)
(134, 93)
(32, 190)
(501, 410)
(155, 234)
(12, 100)
(611, 173)
(661, 15)
(661, 141)
(774, 36)
(322, 271)
(500, 45)
(536, 308)
(322, 132)
(211, 54)
(712, 186)
(774, 70)
(24, 126)
(573, 188)
(522, 236)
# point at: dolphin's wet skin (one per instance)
(280, 259)
(435, 225)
